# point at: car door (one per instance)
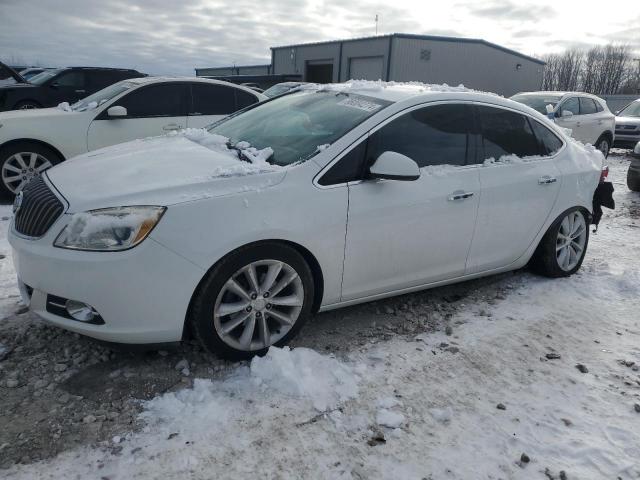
(403, 234)
(518, 194)
(589, 122)
(572, 121)
(152, 110)
(69, 86)
(211, 102)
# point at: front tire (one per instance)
(257, 296)
(20, 162)
(562, 249)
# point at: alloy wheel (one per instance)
(571, 240)
(258, 305)
(21, 167)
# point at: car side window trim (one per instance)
(564, 101)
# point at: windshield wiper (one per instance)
(241, 155)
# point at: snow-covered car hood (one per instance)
(157, 171)
(35, 114)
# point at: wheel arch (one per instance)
(608, 134)
(27, 100)
(33, 140)
(314, 265)
(588, 215)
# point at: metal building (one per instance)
(234, 70)
(475, 63)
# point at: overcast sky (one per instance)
(173, 36)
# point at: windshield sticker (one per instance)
(360, 104)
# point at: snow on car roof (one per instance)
(391, 91)
(143, 80)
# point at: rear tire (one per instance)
(633, 180)
(21, 161)
(562, 249)
(236, 320)
(604, 145)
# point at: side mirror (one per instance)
(394, 166)
(117, 111)
(54, 85)
(566, 114)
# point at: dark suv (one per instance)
(51, 87)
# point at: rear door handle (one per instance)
(459, 195)
(80, 91)
(546, 180)
(172, 126)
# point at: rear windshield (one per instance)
(537, 102)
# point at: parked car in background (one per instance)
(8, 76)
(633, 174)
(280, 88)
(51, 87)
(27, 73)
(33, 140)
(314, 200)
(587, 116)
(628, 126)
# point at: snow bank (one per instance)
(219, 143)
(65, 106)
(303, 373)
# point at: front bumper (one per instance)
(626, 141)
(142, 294)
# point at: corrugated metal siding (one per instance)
(375, 47)
(473, 65)
(288, 61)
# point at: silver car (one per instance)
(628, 125)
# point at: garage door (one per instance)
(365, 68)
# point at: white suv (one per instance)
(587, 116)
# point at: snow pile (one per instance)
(219, 143)
(65, 106)
(303, 373)
(355, 86)
(389, 418)
(512, 158)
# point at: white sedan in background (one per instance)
(31, 141)
(318, 199)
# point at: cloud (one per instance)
(510, 11)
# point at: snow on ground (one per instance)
(432, 406)
(9, 294)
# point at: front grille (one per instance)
(39, 209)
(626, 132)
(626, 127)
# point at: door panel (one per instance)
(517, 196)
(404, 234)
(69, 86)
(103, 133)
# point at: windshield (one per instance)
(42, 77)
(538, 102)
(298, 125)
(631, 110)
(278, 89)
(102, 96)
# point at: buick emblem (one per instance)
(17, 202)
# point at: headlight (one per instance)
(109, 229)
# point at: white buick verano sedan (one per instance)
(318, 199)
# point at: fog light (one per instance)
(80, 311)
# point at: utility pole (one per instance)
(637, 75)
(376, 24)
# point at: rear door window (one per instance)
(210, 99)
(548, 142)
(506, 133)
(72, 79)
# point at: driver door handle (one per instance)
(80, 91)
(546, 180)
(172, 126)
(459, 195)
